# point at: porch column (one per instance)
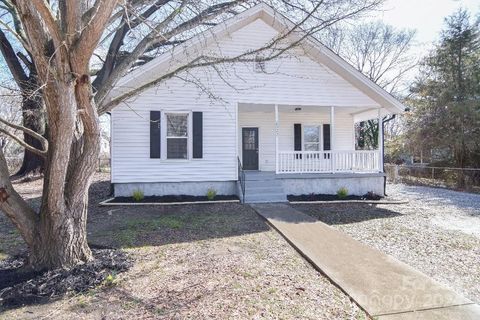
(332, 139)
(276, 139)
(380, 140)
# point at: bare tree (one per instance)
(378, 50)
(383, 54)
(68, 41)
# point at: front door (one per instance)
(250, 148)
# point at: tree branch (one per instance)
(155, 37)
(70, 18)
(98, 17)
(31, 133)
(43, 8)
(23, 143)
(118, 41)
(16, 209)
(18, 32)
(12, 61)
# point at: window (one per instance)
(311, 138)
(177, 135)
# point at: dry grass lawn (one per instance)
(190, 262)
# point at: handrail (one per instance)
(241, 178)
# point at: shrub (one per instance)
(138, 195)
(211, 194)
(110, 280)
(342, 193)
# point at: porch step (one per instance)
(265, 197)
(259, 176)
(263, 184)
(262, 187)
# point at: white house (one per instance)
(263, 129)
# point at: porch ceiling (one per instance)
(270, 108)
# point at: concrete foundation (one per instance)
(296, 184)
(357, 184)
(175, 188)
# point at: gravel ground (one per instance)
(437, 232)
(193, 262)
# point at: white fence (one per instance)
(328, 161)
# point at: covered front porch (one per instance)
(290, 140)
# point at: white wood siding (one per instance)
(131, 139)
(342, 137)
(294, 80)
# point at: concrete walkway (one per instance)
(386, 288)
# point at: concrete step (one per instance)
(265, 201)
(260, 176)
(264, 189)
(260, 183)
(265, 197)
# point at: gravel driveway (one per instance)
(437, 232)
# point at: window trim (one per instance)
(164, 138)
(320, 136)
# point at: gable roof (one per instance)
(317, 50)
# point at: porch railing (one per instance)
(241, 178)
(328, 161)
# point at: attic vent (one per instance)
(259, 64)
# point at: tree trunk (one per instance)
(61, 239)
(61, 48)
(33, 118)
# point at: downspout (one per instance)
(112, 187)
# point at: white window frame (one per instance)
(164, 138)
(320, 136)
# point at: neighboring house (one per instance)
(287, 124)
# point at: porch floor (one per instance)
(256, 175)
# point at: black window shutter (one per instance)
(197, 134)
(326, 137)
(297, 136)
(155, 134)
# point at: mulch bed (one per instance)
(332, 197)
(172, 198)
(20, 286)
